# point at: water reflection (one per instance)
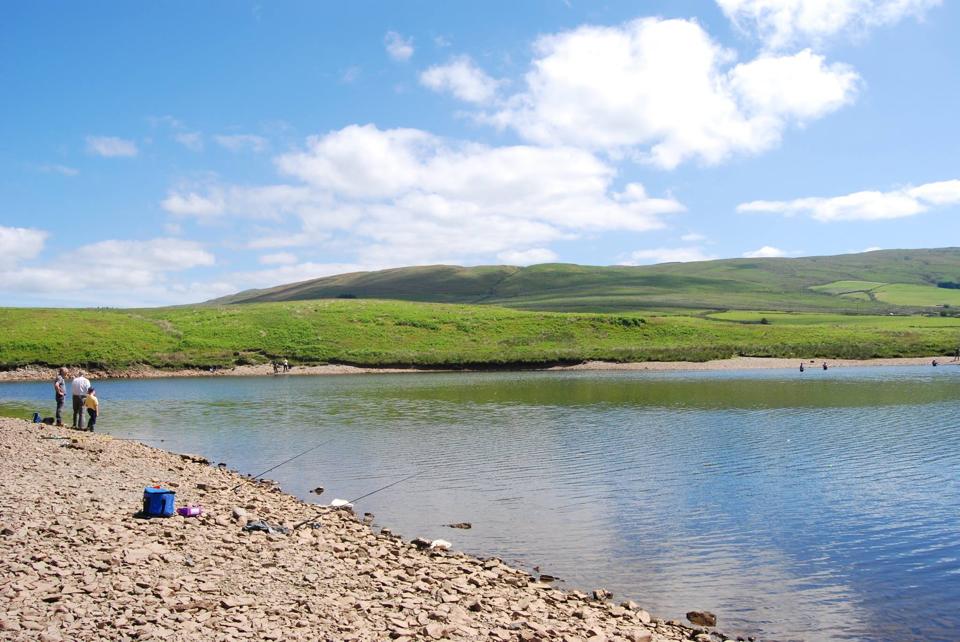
(821, 507)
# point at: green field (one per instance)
(381, 333)
(899, 294)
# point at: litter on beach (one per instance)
(190, 511)
(341, 503)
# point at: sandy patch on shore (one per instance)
(757, 363)
(76, 565)
(40, 373)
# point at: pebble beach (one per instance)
(77, 564)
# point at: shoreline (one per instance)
(42, 373)
(76, 563)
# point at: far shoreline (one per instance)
(43, 373)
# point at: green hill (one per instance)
(868, 283)
(401, 333)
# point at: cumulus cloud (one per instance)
(120, 272)
(665, 92)
(20, 244)
(865, 205)
(693, 237)
(667, 255)
(242, 142)
(257, 202)
(194, 204)
(462, 78)
(414, 197)
(532, 256)
(111, 146)
(767, 251)
(398, 47)
(783, 23)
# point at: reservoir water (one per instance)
(821, 506)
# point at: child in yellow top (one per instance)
(93, 407)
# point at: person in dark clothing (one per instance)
(60, 394)
(801, 367)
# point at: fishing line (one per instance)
(373, 492)
(287, 461)
(385, 487)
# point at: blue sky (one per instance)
(159, 153)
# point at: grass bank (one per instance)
(398, 333)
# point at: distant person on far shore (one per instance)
(824, 365)
(934, 364)
(801, 366)
(93, 407)
(60, 393)
(79, 388)
(286, 366)
(956, 355)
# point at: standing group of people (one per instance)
(84, 398)
(278, 365)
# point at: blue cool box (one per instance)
(158, 502)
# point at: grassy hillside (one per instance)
(420, 334)
(908, 280)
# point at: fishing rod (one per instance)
(286, 461)
(374, 492)
(386, 487)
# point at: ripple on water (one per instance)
(816, 508)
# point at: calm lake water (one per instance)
(821, 506)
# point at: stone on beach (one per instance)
(702, 618)
(76, 566)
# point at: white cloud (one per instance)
(667, 255)
(191, 140)
(783, 23)
(866, 205)
(111, 146)
(665, 92)
(54, 168)
(462, 78)
(19, 244)
(117, 272)
(242, 142)
(279, 258)
(532, 256)
(295, 273)
(398, 47)
(414, 197)
(194, 204)
(693, 237)
(156, 255)
(767, 251)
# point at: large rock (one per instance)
(702, 618)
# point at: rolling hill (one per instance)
(868, 283)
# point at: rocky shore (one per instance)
(43, 373)
(77, 565)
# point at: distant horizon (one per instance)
(491, 265)
(236, 147)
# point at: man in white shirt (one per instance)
(79, 388)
